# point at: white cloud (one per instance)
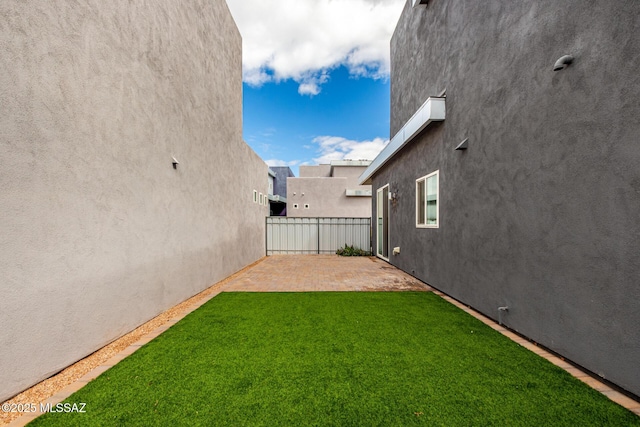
(255, 77)
(304, 39)
(339, 148)
(311, 84)
(308, 89)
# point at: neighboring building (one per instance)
(272, 177)
(99, 232)
(278, 197)
(541, 212)
(329, 191)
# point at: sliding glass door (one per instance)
(382, 221)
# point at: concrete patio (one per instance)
(308, 273)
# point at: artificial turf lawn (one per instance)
(347, 359)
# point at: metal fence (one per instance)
(316, 235)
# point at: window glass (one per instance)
(432, 200)
(427, 213)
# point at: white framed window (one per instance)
(295, 206)
(255, 196)
(306, 205)
(427, 201)
(261, 199)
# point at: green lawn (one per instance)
(344, 359)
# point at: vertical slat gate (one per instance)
(316, 235)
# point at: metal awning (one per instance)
(433, 110)
(358, 193)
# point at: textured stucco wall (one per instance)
(352, 173)
(541, 213)
(326, 197)
(315, 171)
(98, 232)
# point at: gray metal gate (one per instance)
(286, 235)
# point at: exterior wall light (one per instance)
(393, 197)
(175, 163)
(562, 62)
(463, 145)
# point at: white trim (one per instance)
(418, 181)
(386, 200)
(424, 179)
(433, 110)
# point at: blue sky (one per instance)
(316, 78)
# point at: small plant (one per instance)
(352, 251)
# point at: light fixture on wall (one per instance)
(463, 145)
(175, 162)
(393, 197)
(563, 62)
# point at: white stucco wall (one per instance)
(98, 232)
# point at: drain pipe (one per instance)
(500, 310)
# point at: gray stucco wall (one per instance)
(326, 197)
(352, 173)
(98, 232)
(280, 181)
(315, 171)
(541, 213)
(324, 189)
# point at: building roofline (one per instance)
(433, 110)
(350, 162)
